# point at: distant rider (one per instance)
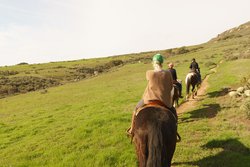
(174, 76)
(194, 67)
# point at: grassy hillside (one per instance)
(216, 132)
(83, 123)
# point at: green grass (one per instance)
(84, 123)
(75, 123)
(216, 132)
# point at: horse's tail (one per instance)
(155, 137)
(155, 145)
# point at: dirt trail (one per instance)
(192, 103)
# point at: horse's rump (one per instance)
(191, 77)
(155, 132)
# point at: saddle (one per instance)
(193, 72)
(154, 103)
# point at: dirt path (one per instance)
(192, 103)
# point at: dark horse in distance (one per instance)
(192, 79)
(155, 131)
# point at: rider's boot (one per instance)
(131, 128)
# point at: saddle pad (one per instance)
(154, 105)
(149, 105)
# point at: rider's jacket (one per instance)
(160, 84)
(194, 66)
(173, 73)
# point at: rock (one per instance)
(245, 87)
(96, 73)
(233, 94)
(247, 93)
(240, 90)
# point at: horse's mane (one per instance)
(155, 137)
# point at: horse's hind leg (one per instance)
(196, 91)
(193, 93)
(175, 103)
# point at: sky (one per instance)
(38, 31)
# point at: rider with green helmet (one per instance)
(159, 88)
(158, 58)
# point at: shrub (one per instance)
(182, 50)
(7, 73)
(23, 63)
(210, 64)
(230, 57)
(24, 84)
(113, 63)
(196, 49)
(60, 67)
(85, 70)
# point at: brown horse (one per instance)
(155, 131)
(192, 79)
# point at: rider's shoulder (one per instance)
(149, 71)
(167, 72)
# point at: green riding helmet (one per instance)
(158, 57)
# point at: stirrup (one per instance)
(178, 137)
(128, 132)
